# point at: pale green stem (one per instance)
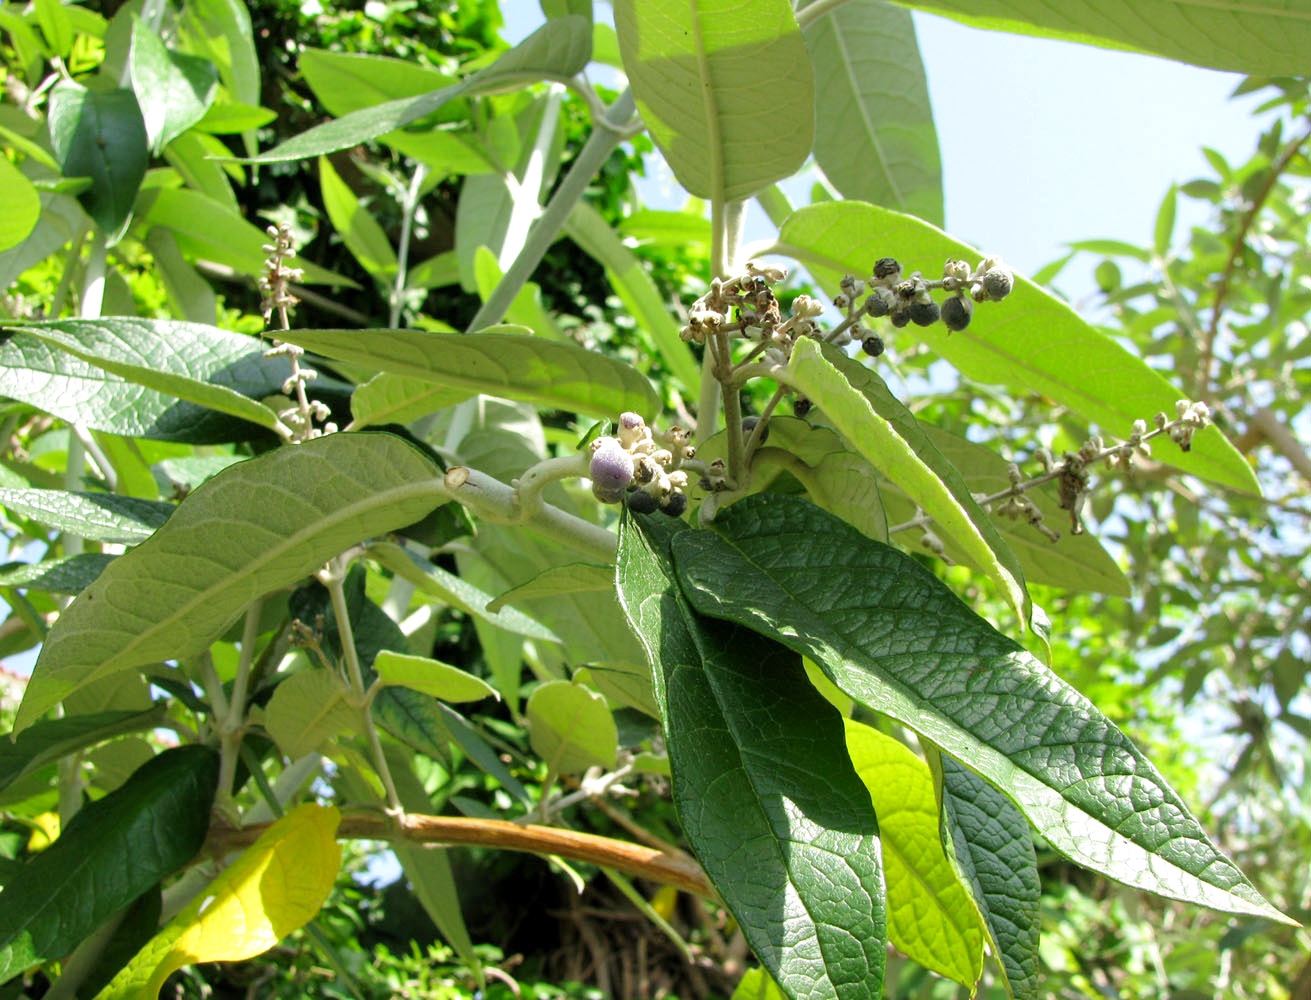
(735, 217)
(611, 129)
(758, 432)
(408, 207)
(528, 490)
(232, 723)
(707, 409)
(355, 676)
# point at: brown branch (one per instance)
(673, 869)
(1202, 375)
(1272, 429)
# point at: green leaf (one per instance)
(35, 372)
(399, 399)
(526, 309)
(636, 290)
(68, 575)
(895, 638)
(855, 399)
(1074, 562)
(55, 25)
(226, 117)
(173, 89)
(990, 842)
(931, 917)
(1245, 36)
(350, 81)
(137, 349)
(241, 534)
(757, 985)
(572, 578)
(358, 229)
(50, 740)
(103, 517)
(559, 375)
(209, 230)
(431, 677)
(276, 886)
(1163, 231)
(111, 852)
(456, 591)
(874, 134)
(558, 49)
(765, 792)
(727, 126)
(192, 154)
(20, 206)
(307, 710)
(1032, 342)
(190, 296)
(220, 30)
(100, 134)
(571, 728)
(647, 226)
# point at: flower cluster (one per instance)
(634, 464)
(277, 276)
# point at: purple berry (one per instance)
(872, 345)
(956, 313)
(611, 469)
(924, 313)
(675, 505)
(642, 502)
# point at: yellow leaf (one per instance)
(273, 888)
(45, 831)
(932, 918)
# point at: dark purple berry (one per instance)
(675, 504)
(749, 425)
(801, 405)
(956, 312)
(924, 313)
(886, 267)
(878, 305)
(900, 316)
(872, 345)
(642, 502)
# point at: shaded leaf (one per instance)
(49, 740)
(572, 578)
(61, 576)
(307, 710)
(112, 851)
(895, 638)
(101, 135)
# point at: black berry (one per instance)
(924, 313)
(956, 312)
(886, 267)
(642, 502)
(872, 345)
(900, 316)
(877, 305)
(675, 504)
(749, 425)
(801, 405)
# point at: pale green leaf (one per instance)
(560, 375)
(104, 517)
(174, 89)
(399, 399)
(931, 917)
(874, 134)
(571, 728)
(1245, 36)
(357, 228)
(307, 710)
(1032, 341)
(726, 93)
(572, 578)
(20, 205)
(256, 527)
(431, 677)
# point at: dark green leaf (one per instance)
(112, 851)
(105, 517)
(50, 740)
(101, 135)
(764, 789)
(895, 638)
(990, 840)
(61, 576)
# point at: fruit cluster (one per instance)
(634, 465)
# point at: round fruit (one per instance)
(956, 312)
(611, 468)
(924, 313)
(675, 505)
(642, 502)
(872, 345)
